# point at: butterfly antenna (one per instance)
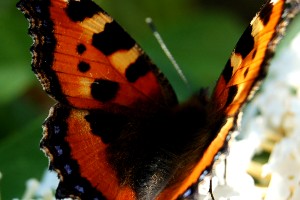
(163, 46)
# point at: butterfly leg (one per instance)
(225, 171)
(210, 189)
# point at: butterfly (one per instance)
(117, 130)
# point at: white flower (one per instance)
(43, 190)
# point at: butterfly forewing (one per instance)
(83, 58)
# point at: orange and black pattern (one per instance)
(117, 131)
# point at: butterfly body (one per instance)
(117, 131)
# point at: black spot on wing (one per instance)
(112, 39)
(138, 69)
(104, 90)
(83, 66)
(254, 53)
(231, 94)
(246, 72)
(265, 13)
(80, 49)
(245, 43)
(79, 10)
(227, 71)
(106, 125)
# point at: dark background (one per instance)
(200, 34)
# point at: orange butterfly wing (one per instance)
(110, 136)
(83, 65)
(241, 77)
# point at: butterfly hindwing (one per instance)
(70, 142)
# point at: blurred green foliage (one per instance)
(200, 38)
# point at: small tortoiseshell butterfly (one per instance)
(117, 131)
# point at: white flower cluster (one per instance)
(280, 108)
(43, 190)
